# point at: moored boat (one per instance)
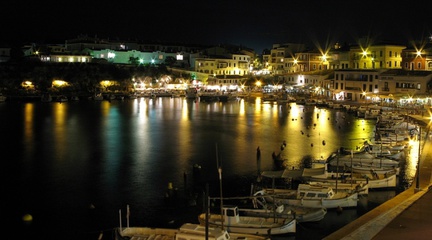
(301, 214)
(231, 220)
(310, 196)
(187, 231)
(98, 97)
(361, 159)
(361, 188)
(369, 169)
(258, 207)
(372, 179)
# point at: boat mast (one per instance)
(207, 212)
(337, 169)
(352, 178)
(219, 166)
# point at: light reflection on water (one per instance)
(68, 156)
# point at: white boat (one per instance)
(260, 208)
(368, 169)
(301, 214)
(361, 159)
(384, 150)
(231, 220)
(308, 195)
(187, 231)
(348, 186)
(372, 113)
(98, 97)
(372, 179)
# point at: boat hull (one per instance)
(289, 197)
(251, 225)
(350, 201)
(187, 231)
(301, 214)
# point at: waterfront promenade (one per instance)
(406, 216)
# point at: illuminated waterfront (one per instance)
(64, 158)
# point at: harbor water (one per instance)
(70, 169)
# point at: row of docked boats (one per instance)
(320, 190)
(277, 210)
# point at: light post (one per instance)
(258, 84)
(418, 162)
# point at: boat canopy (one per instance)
(294, 173)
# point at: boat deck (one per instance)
(258, 222)
(152, 237)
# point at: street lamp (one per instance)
(258, 84)
(418, 162)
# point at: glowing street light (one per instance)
(324, 58)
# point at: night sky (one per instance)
(254, 24)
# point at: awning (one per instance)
(294, 173)
(309, 172)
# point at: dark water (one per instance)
(73, 166)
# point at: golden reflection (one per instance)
(325, 137)
(317, 134)
(185, 110)
(242, 109)
(59, 118)
(258, 103)
(184, 133)
(295, 111)
(28, 123)
(105, 108)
